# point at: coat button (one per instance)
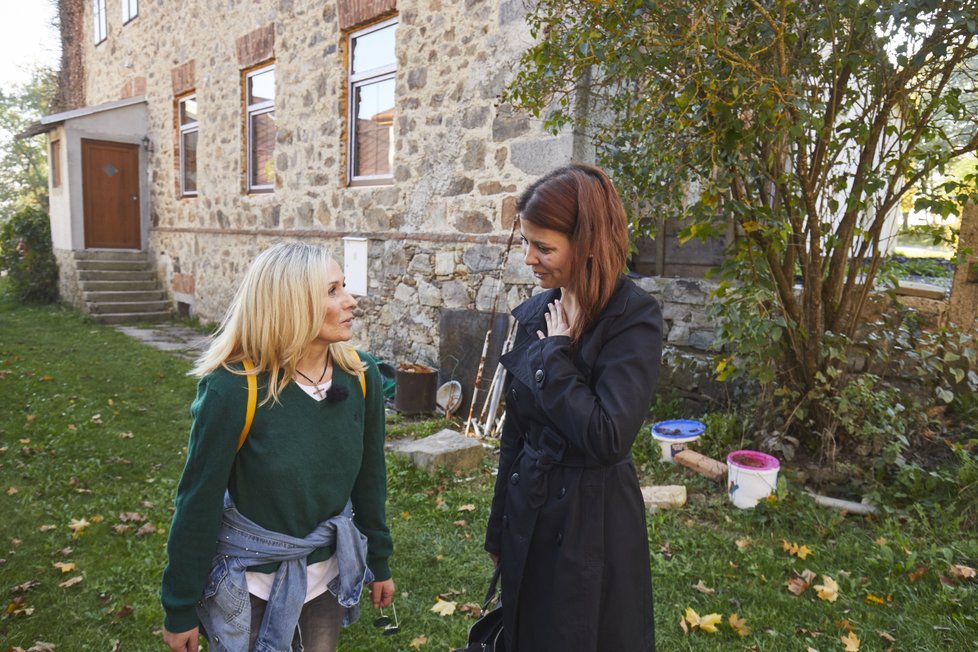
(562, 492)
(513, 394)
(539, 376)
(515, 478)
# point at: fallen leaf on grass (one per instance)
(470, 609)
(692, 620)
(742, 543)
(829, 590)
(702, 588)
(850, 641)
(96, 419)
(71, 582)
(17, 607)
(467, 508)
(405, 515)
(443, 607)
(121, 529)
(126, 435)
(131, 516)
(792, 548)
(149, 528)
(886, 636)
(41, 646)
(63, 567)
(77, 527)
(917, 573)
(962, 572)
(124, 612)
(460, 523)
(26, 586)
(417, 642)
(47, 528)
(739, 625)
(800, 583)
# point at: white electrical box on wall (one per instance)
(355, 265)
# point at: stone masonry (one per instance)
(437, 235)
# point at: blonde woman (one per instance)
(271, 545)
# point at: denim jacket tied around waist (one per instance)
(225, 609)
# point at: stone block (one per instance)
(664, 497)
(446, 448)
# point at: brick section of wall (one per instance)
(356, 12)
(256, 47)
(135, 87)
(184, 77)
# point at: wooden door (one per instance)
(110, 187)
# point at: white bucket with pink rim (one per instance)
(752, 476)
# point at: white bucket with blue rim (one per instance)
(674, 434)
(752, 476)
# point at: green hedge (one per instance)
(27, 256)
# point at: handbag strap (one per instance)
(492, 590)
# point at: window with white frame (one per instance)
(98, 20)
(130, 9)
(189, 129)
(371, 103)
(260, 128)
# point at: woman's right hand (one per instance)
(182, 641)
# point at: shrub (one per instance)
(27, 256)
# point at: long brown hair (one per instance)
(580, 201)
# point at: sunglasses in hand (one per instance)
(390, 628)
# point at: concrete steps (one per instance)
(121, 287)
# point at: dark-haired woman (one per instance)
(567, 524)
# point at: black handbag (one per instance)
(486, 634)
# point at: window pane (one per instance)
(374, 145)
(374, 50)
(188, 111)
(261, 87)
(188, 149)
(263, 149)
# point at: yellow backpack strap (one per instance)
(252, 402)
(363, 383)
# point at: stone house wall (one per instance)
(437, 236)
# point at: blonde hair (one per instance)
(276, 312)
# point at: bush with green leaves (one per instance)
(27, 256)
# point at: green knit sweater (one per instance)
(301, 462)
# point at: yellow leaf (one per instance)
(851, 641)
(691, 617)
(65, 568)
(11, 491)
(467, 508)
(405, 515)
(444, 607)
(803, 552)
(417, 642)
(709, 622)
(873, 599)
(829, 590)
(683, 625)
(77, 527)
(739, 625)
(750, 226)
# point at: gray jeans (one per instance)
(319, 623)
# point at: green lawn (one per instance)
(93, 427)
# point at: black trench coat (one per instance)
(567, 517)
